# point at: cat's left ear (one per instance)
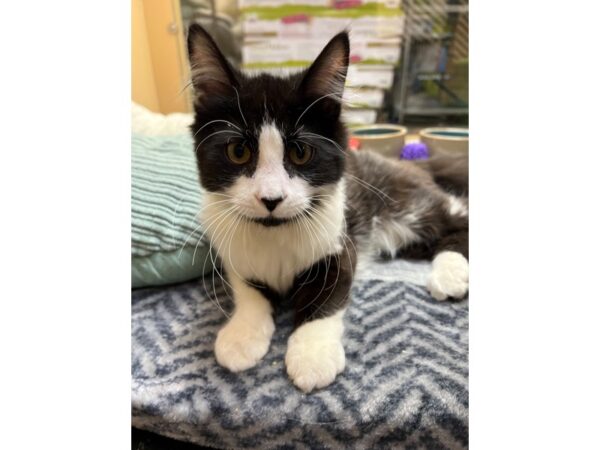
(327, 74)
(211, 72)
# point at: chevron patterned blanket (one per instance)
(405, 384)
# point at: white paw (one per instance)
(241, 345)
(315, 354)
(449, 276)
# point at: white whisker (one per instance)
(371, 188)
(217, 132)
(217, 121)
(318, 136)
(310, 106)
(239, 105)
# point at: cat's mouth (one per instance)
(271, 221)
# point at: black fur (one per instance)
(324, 288)
(306, 109)
(282, 100)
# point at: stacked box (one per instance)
(292, 22)
(244, 4)
(363, 97)
(354, 117)
(283, 36)
(322, 19)
(260, 53)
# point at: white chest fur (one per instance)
(274, 255)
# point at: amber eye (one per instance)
(300, 154)
(238, 152)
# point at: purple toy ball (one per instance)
(414, 150)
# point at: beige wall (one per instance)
(143, 85)
(159, 62)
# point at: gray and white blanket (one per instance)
(405, 384)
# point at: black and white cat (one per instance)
(288, 208)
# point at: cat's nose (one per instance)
(271, 203)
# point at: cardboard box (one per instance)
(363, 97)
(323, 28)
(352, 117)
(370, 76)
(262, 52)
(245, 4)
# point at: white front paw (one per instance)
(314, 358)
(241, 345)
(449, 276)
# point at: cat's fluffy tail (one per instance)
(449, 170)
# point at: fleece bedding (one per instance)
(166, 198)
(405, 384)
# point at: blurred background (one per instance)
(409, 58)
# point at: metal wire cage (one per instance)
(433, 78)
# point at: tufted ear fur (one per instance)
(210, 70)
(327, 74)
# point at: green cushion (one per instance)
(165, 204)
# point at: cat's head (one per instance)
(272, 147)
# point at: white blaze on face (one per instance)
(270, 180)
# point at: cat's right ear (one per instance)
(210, 71)
(327, 74)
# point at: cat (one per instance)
(288, 208)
